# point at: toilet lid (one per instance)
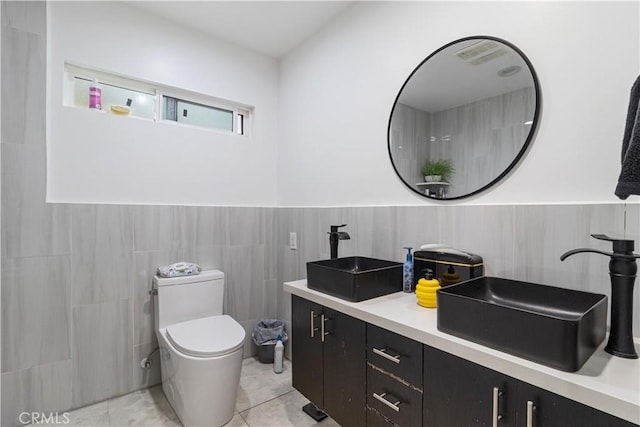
(207, 337)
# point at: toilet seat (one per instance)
(206, 337)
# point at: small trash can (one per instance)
(265, 335)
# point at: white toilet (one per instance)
(200, 348)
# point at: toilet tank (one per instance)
(188, 297)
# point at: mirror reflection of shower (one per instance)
(473, 103)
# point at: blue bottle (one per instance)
(407, 271)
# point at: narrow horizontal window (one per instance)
(113, 99)
(116, 94)
(195, 114)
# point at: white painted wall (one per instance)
(337, 90)
(101, 158)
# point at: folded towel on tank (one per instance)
(179, 269)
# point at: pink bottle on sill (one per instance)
(95, 96)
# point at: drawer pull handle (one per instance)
(496, 400)
(530, 408)
(322, 332)
(380, 397)
(313, 326)
(395, 358)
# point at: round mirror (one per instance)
(464, 118)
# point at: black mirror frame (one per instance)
(525, 146)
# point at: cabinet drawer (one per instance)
(398, 355)
(375, 419)
(398, 402)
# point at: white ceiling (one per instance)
(445, 81)
(273, 28)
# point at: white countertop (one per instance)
(610, 384)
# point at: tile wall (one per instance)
(481, 138)
(76, 314)
(410, 130)
(522, 242)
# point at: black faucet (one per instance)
(334, 237)
(622, 270)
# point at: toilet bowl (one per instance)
(200, 348)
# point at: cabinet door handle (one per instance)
(381, 398)
(395, 358)
(496, 403)
(322, 332)
(530, 408)
(313, 328)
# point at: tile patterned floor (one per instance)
(264, 399)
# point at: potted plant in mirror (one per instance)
(437, 170)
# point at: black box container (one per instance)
(449, 266)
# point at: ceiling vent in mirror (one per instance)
(481, 52)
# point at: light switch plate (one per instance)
(293, 240)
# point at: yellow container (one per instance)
(426, 291)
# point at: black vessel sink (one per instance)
(355, 278)
(552, 326)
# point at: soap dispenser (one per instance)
(407, 272)
(622, 270)
(426, 290)
(451, 277)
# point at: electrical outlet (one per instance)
(293, 241)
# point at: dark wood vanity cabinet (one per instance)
(394, 379)
(328, 348)
(552, 410)
(307, 350)
(363, 375)
(460, 393)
